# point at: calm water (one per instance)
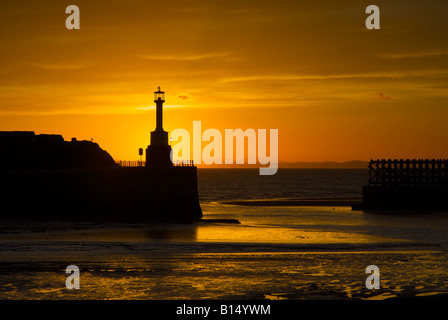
(230, 184)
(275, 253)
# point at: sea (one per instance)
(275, 252)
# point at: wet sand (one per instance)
(342, 202)
(279, 253)
(271, 276)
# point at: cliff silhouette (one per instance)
(24, 150)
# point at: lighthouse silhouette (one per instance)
(159, 151)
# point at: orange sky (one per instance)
(334, 90)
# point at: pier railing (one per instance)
(132, 164)
(184, 163)
(417, 173)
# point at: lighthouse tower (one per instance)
(158, 152)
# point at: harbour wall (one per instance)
(101, 194)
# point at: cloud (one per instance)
(414, 55)
(373, 75)
(184, 96)
(60, 67)
(186, 57)
(382, 96)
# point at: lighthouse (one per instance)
(158, 152)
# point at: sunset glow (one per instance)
(334, 90)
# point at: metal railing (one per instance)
(415, 172)
(131, 164)
(184, 163)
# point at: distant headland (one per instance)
(354, 164)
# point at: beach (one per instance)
(308, 276)
(260, 258)
(299, 244)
